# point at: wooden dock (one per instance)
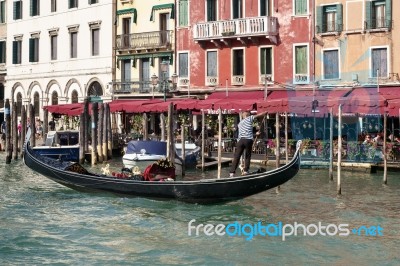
(214, 163)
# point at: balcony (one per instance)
(131, 86)
(146, 40)
(121, 87)
(238, 29)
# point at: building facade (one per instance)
(58, 52)
(237, 45)
(145, 48)
(356, 43)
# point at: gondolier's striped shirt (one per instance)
(246, 128)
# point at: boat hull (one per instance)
(200, 191)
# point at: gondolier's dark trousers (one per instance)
(243, 145)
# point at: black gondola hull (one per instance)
(200, 191)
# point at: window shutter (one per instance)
(31, 50)
(388, 14)
(2, 52)
(15, 10)
(183, 13)
(31, 9)
(368, 14)
(320, 14)
(3, 10)
(339, 17)
(15, 52)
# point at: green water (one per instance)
(42, 222)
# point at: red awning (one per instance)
(237, 95)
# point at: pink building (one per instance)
(237, 44)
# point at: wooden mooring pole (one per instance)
(384, 148)
(331, 145)
(95, 116)
(14, 124)
(81, 138)
(7, 113)
(23, 128)
(219, 142)
(339, 162)
(277, 146)
(203, 140)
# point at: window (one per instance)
(331, 64)
(35, 8)
(183, 13)
(34, 50)
(93, 2)
(2, 52)
(378, 14)
(72, 3)
(211, 10)
(17, 10)
(73, 44)
(266, 61)
(300, 7)
(379, 58)
(237, 9)
(301, 64)
(183, 65)
(126, 75)
(95, 41)
(144, 74)
(36, 104)
(54, 98)
(74, 96)
(53, 6)
(212, 64)
(53, 47)
(238, 63)
(329, 18)
(126, 30)
(265, 8)
(3, 11)
(17, 45)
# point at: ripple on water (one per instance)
(45, 223)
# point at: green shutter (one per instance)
(15, 52)
(183, 13)
(31, 50)
(368, 14)
(320, 14)
(339, 17)
(388, 14)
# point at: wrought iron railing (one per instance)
(149, 40)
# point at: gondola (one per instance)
(202, 191)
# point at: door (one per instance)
(126, 30)
(164, 29)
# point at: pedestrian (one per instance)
(244, 142)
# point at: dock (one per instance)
(214, 163)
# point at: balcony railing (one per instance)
(379, 23)
(330, 27)
(137, 86)
(246, 27)
(146, 40)
(131, 86)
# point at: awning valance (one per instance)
(160, 7)
(129, 11)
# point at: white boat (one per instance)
(145, 152)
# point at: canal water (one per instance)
(42, 222)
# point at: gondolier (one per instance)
(244, 142)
